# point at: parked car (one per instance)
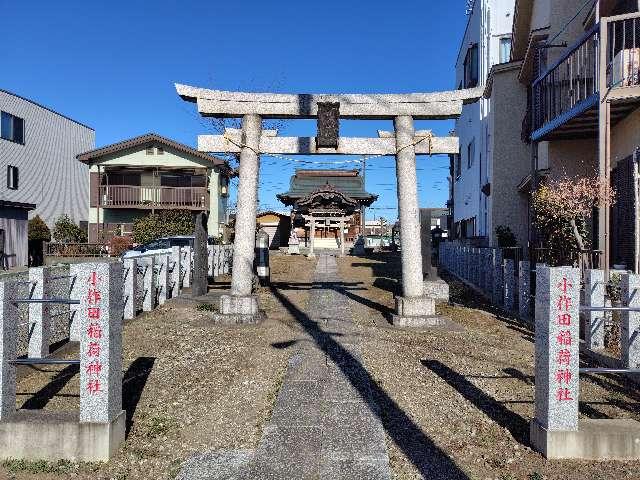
(163, 245)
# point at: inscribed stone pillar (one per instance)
(164, 277)
(186, 253)
(9, 291)
(149, 283)
(524, 290)
(342, 236)
(241, 306)
(498, 278)
(130, 288)
(100, 311)
(509, 285)
(176, 271)
(557, 341)
(199, 286)
(630, 328)
(413, 308)
(594, 291)
(313, 237)
(40, 313)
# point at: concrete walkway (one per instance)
(324, 424)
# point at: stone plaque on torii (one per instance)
(413, 308)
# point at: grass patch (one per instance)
(160, 425)
(206, 307)
(60, 467)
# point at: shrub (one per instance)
(163, 224)
(65, 231)
(38, 230)
(119, 245)
(505, 237)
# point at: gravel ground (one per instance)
(459, 403)
(188, 387)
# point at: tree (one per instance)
(38, 230)
(163, 224)
(65, 231)
(563, 207)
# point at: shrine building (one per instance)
(327, 207)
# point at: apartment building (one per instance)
(486, 42)
(150, 173)
(38, 147)
(580, 65)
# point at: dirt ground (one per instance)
(459, 403)
(188, 386)
(453, 403)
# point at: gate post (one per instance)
(241, 306)
(413, 309)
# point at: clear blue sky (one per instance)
(112, 65)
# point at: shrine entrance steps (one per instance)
(325, 422)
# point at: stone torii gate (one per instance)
(413, 308)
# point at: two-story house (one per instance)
(486, 41)
(150, 173)
(41, 176)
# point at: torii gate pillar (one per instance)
(413, 309)
(241, 306)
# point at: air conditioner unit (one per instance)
(625, 68)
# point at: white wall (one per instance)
(489, 21)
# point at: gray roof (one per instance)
(349, 182)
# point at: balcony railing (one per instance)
(623, 51)
(125, 196)
(570, 85)
(566, 96)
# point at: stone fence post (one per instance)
(556, 346)
(39, 313)
(594, 290)
(130, 273)
(164, 276)
(509, 285)
(498, 279)
(8, 345)
(186, 262)
(210, 260)
(630, 328)
(149, 283)
(524, 290)
(176, 271)
(488, 272)
(100, 312)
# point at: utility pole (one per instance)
(362, 213)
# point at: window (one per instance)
(149, 151)
(505, 49)
(12, 177)
(471, 67)
(12, 128)
(471, 153)
(160, 151)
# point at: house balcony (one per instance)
(566, 98)
(154, 197)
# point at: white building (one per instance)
(486, 41)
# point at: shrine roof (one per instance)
(347, 182)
